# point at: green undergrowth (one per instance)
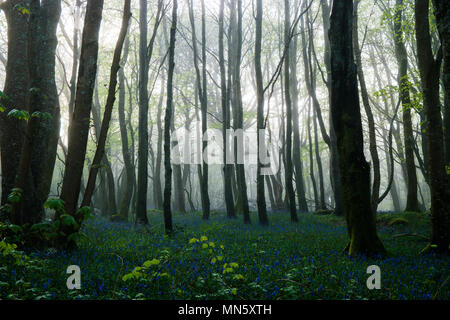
(225, 259)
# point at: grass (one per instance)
(282, 261)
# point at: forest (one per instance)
(225, 150)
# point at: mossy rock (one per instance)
(398, 222)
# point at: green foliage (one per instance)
(224, 259)
(15, 195)
(22, 9)
(398, 221)
(19, 114)
(25, 115)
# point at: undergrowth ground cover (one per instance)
(225, 259)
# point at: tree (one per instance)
(235, 52)
(130, 175)
(412, 204)
(429, 69)
(331, 141)
(296, 155)
(442, 14)
(288, 168)
(203, 97)
(345, 112)
(115, 66)
(145, 54)
(369, 114)
(79, 126)
(225, 100)
(260, 192)
(38, 151)
(12, 130)
(167, 121)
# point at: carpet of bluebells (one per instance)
(225, 259)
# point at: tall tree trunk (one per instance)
(225, 99)
(345, 112)
(429, 69)
(311, 165)
(369, 114)
(157, 176)
(322, 205)
(38, 151)
(107, 184)
(115, 66)
(79, 127)
(412, 204)
(297, 161)
(236, 51)
(442, 13)
(260, 192)
(288, 169)
(142, 176)
(334, 165)
(167, 120)
(129, 168)
(202, 94)
(12, 131)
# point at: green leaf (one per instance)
(54, 204)
(68, 220)
(19, 114)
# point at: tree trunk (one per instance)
(16, 88)
(429, 69)
(369, 114)
(225, 99)
(288, 169)
(260, 192)
(129, 168)
(100, 151)
(202, 94)
(297, 161)
(412, 204)
(79, 127)
(345, 112)
(167, 121)
(235, 50)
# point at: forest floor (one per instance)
(225, 259)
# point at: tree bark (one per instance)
(115, 66)
(225, 100)
(429, 69)
(369, 114)
(288, 169)
(345, 112)
(38, 154)
(412, 204)
(167, 120)
(260, 192)
(79, 127)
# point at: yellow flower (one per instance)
(212, 245)
(234, 291)
(213, 260)
(234, 265)
(203, 238)
(205, 245)
(220, 258)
